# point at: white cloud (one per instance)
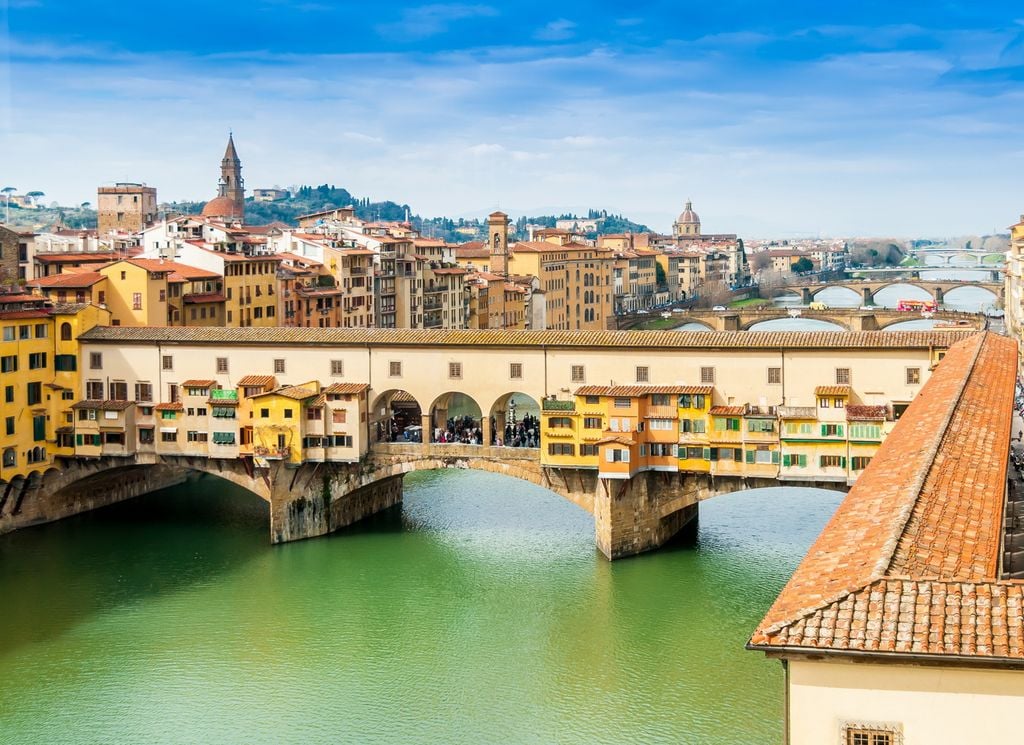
(430, 20)
(559, 30)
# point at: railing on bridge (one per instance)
(453, 450)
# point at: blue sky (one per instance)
(795, 118)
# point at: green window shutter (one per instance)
(821, 461)
(714, 453)
(775, 457)
(707, 453)
(839, 430)
(824, 430)
(737, 455)
(750, 456)
(842, 461)
(96, 440)
(786, 460)
(78, 439)
(803, 461)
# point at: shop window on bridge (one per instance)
(118, 390)
(760, 425)
(724, 424)
(616, 455)
(36, 455)
(88, 440)
(312, 441)
(763, 455)
(146, 436)
(340, 441)
(692, 426)
(694, 453)
(663, 450)
(691, 401)
(561, 448)
(113, 438)
(822, 403)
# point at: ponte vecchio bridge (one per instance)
(427, 375)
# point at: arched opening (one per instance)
(838, 297)
(787, 298)
(455, 417)
(65, 331)
(10, 458)
(694, 326)
(796, 324)
(970, 298)
(515, 421)
(889, 297)
(396, 417)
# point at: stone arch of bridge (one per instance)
(951, 294)
(459, 418)
(507, 413)
(814, 315)
(699, 322)
(392, 413)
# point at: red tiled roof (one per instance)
(175, 406)
(293, 391)
(727, 410)
(260, 380)
(641, 390)
(856, 413)
(204, 297)
(346, 388)
(103, 405)
(832, 390)
(99, 257)
(909, 562)
(71, 279)
(618, 439)
(199, 383)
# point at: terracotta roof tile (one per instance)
(199, 384)
(909, 562)
(346, 388)
(173, 406)
(727, 410)
(642, 390)
(857, 413)
(832, 390)
(258, 380)
(659, 340)
(103, 405)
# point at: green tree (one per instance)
(803, 264)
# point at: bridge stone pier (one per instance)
(631, 516)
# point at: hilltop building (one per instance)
(229, 204)
(687, 224)
(125, 208)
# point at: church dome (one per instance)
(688, 216)
(222, 207)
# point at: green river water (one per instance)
(478, 612)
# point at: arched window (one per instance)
(10, 458)
(65, 331)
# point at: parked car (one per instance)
(719, 307)
(678, 310)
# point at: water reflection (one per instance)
(796, 324)
(693, 326)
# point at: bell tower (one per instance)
(231, 184)
(497, 235)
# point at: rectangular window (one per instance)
(707, 375)
(9, 363)
(9, 425)
(588, 450)
(842, 376)
(264, 413)
(617, 455)
(395, 369)
(94, 390)
(313, 415)
(9, 394)
(592, 422)
(561, 448)
(36, 360)
(831, 461)
(872, 736)
(515, 370)
(760, 425)
(167, 362)
(338, 416)
(41, 330)
(136, 298)
(193, 436)
(642, 374)
(661, 424)
(560, 422)
(24, 332)
(577, 374)
(623, 403)
(913, 376)
(660, 399)
(822, 403)
(837, 403)
(8, 333)
(222, 364)
(169, 436)
(95, 360)
(454, 369)
(337, 367)
(143, 391)
(860, 462)
(65, 362)
(118, 390)
(278, 366)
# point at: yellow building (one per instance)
(39, 376)
(141, 297)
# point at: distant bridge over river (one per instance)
(851, 319)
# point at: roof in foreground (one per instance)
(516, 338)
(909, 563)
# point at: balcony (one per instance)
(551, 404)
(798, 412)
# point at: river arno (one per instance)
(480, 612)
